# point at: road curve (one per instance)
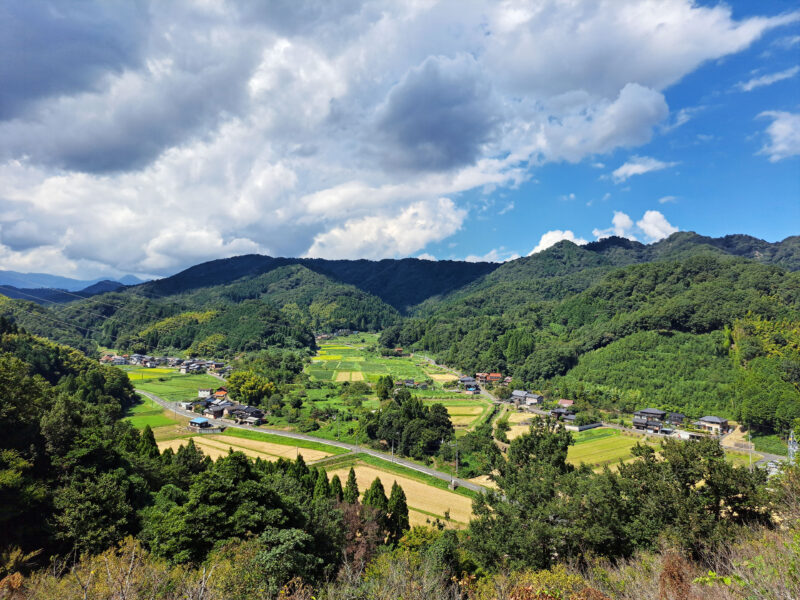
(173, 407)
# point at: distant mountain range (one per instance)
(202, 306)
(44, 280)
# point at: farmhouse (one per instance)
(467, 380)
(526, 398)
(204, 392)
(650, 414)
(494, 377)
(199, 423)
(712, 424)
(482, 377)
(561, 413)
(676, 419)
(644, 424)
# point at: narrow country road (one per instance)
(173, 407)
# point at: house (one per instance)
(409, 383)
(494, 377)
(674, 418)
(565, 403)
(524, 397)
(199, 423)
(712, 424)
(560, 413)
(204, 392)
(214, 411)
(482, 377)
(188, 405)
(645, 424)
(533, 399)
(118, 360)
(467, 380)
(221, 394)
(507, 380)
(650, 414)
(106, 359)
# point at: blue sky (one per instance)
(145, 137)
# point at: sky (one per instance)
(146, 137)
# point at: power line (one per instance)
(58, 303)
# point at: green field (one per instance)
(170, 384)
(601, 446)
(148, 412)
(283, 441)
(770, 444)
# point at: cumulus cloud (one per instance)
(621, 226)
(391, 234)
(164, 133)
(784, 135)
(653, 226)
(757, 82)
(551, 238)
(639, 165)
(438, 116)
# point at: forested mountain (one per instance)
(400, 283)
(644, 334)
(579, 319)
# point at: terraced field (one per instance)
(216, 445)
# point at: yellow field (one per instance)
(460, 411)
(516, 431)
(519, 417)
(349, 376)
(219, 445)
(419, 495)
(442, 377)
(326, 347)
(327, 357)
(458, 420)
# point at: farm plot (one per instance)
(424, 501)
(219, 445)
(149, 413)
(172, 385)
(602, 446)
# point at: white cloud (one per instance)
(307, 129)
(621, 226)
(494, 255)
(551, 238)
(639, 165)
(389, 234)
(655, 226)
(784, 135)
(426, 256)
(747, 86)
(666, 199)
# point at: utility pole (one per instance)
(793, 446)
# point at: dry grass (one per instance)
(520, 417)
(215, 446)
(356, 376)
(419, 495)
(442, 377)
(517, 430)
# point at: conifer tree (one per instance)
(147, 443)
(322, 489)
(351, 488)
(375, 498)
(336, 488)
(397, 521)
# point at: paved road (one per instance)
(172, 406)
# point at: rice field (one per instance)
(149, 413)
(602, 446)
(425, 502)
(216, 445)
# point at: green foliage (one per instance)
(397, 521)
(351, 488)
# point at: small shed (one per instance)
(199, 423)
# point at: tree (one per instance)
(351, 488)
(322, 488)
(249, 387)
(336, 488)
(397, 521)
(384, 387)
(375, 498)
